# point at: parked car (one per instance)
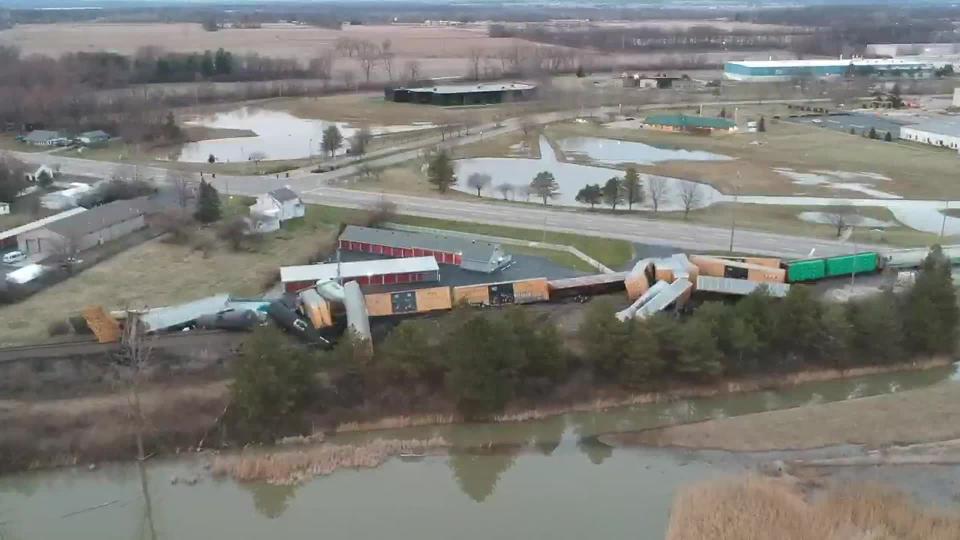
(14, 257)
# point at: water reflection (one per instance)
(571, 177)
(279, 135)
(270, 500)
(477, 471)
(613, 151)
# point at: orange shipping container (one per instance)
(378, 305)
(472, 294)
(768, 262)
(102, 324)
(531, 290)
(636, 284)
(767, 275)
(434, 299)
(709, 266)
(664, 273)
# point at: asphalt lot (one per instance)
(861, 122)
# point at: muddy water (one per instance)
(543, 479)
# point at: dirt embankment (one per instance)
(914, 416)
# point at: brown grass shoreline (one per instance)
(65, 432)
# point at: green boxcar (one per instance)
(806, 270)
(845, 265)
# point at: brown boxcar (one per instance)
(105, 327)
(404, 302)
(510, 292)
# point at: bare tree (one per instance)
(524, 191)
(368, 53)
(478, 181)
(234, 231)
(659, 190)
(256, 157)
(505, 189)
(176, 223)
(387, 56)
(841, 217)
(412, 70)
(322, 65)
(349, 79)
(181, 186)
(690, 195)
(360, 141)
(474, 59)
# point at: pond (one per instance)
(613, 152)
(542, 479)
(279, 135)
(571, 177)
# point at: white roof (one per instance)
(316, 272)
(26, 273)
(830, 62)
(462, 88)
(17, 231)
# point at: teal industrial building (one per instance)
(786, 70)
(460, 94)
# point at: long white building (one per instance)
(786, 70)
(944, 132)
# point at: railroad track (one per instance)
(91, 346)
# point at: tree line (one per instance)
(481, 361)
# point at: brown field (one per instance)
(157, 273)
(756, 508)
(441, 50)
(872, 421)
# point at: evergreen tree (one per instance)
(408, 355)
(538, 343)
(699, 354)
(545, 186)
(641, 360)
(207, 66)
(482, 376)
(44, 179)
(613, 192)
(272, 382)
(441, 172)
(332, 140)
(876, 329)
(930, 313)
(838, 334)
(888, 137)
(223, 62)
(798, 330)
(853, 131)
(631, 184)
(580, 72)
(723, 112)
(604, 339)
(208, 203)
(762, 125)
(873, 133)
(590, 194)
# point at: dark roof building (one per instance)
(284, 194)
(462, 94)
(683, 122)
(465, 252)
(84, 230)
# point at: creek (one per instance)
(541, 479)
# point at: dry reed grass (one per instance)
(756, 508)
(295, 466)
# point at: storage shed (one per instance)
(465, 252)
(380, 272)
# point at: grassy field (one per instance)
(759, 508)
(785, 220)
(613, 253)
(157, 273)
(915, 171)
(873, 421)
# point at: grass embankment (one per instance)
(612, 253)
(785, 220)
(761, 508)
(915, 171)
(873, 421)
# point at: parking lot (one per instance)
(860, 122)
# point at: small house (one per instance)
(93, 138)
(42, 137)
(4, 208)
(283, 203)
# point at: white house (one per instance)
(281, 203)
(4, 208)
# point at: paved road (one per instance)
(316, 188)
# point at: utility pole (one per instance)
(733, 211)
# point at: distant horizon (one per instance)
(676, 4)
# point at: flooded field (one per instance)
(279, 135)
(523, 480)
(571, 177)
(612, 151)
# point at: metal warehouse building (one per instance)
(467, 253)
(459, 94)
(943, 132)
(381, 272)
(785, 70)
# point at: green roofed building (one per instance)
(690, 124)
